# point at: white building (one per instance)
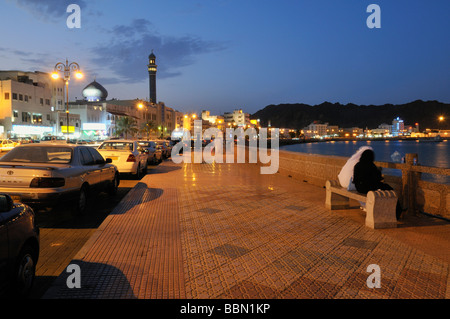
(29, 102)
(315, 129)
(237, 118)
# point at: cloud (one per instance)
(28, 59)
(126, 53)
(48, 9)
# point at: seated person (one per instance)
(367, 177)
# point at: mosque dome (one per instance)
(95, 92)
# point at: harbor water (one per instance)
(435, 154)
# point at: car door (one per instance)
(4, 246)
(105, 173)
(90, 168)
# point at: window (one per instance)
(48, 117)
(20, 97)
(47, 102)
(123, 146)
(26, 98)
(37, 118)
(41, 101)
(14, 96)
(39, 154)
(16, 113)
(7, 96)
(96, 155)
(85, 156)
(26, 117)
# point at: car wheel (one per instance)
(25, 271)
(137, 175)
(144, 172)
(81, 205)
(114, 185)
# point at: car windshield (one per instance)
(118, 146)
(54, 154)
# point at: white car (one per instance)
(127, 155)
(53, 139)
(154, 153)
(49, 175)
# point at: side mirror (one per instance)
(108, 161)
(6, 203)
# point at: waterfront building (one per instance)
(29, 104)
(398, 127)
(333, 130)
(236, 118)
(215, 120)
(316, 129)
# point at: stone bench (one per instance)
(380, 205)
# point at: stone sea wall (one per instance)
(414, 193)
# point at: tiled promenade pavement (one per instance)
(225, 231)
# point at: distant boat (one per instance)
(437, 138)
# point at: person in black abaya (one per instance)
(367, 177)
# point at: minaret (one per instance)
(152, 77)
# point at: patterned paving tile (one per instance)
(306, 288)
(296, 208)
(230, 251)
(209, 210)
(359, 243)
(250, 290)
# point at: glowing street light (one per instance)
(66, 69)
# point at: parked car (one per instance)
(154, 153)
(49, 175)
(19, 247)
(165, 148)
(126, 155)
(7, 145)
(53, 139)
(22, 140)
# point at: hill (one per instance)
(350, 115)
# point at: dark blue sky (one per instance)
(226, 54)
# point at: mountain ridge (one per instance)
(300, 115)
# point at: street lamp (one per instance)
(66, 69)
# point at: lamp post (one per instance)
(66, 69)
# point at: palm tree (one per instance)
(148, 128)
(126, 125)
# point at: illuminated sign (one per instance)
(71, 129)
(31, 130)
(94, 127)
